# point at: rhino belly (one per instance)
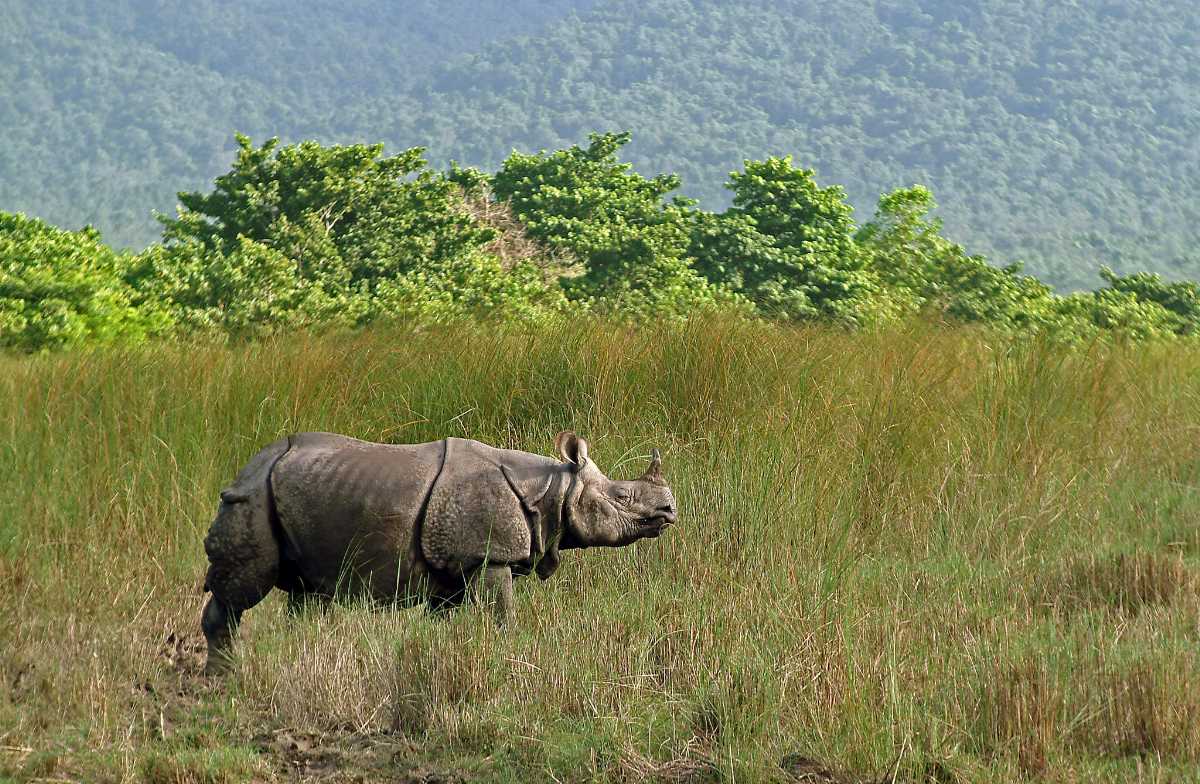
(349, 511)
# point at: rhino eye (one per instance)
(622, 495)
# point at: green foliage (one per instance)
(787, 245)
(64, 288)
(1137, 307)
(251, 289)
(905, 247)
(306, 235)
(1083, 316)
(632, 242)
(313, 202)
(927, 272)
(1181, 299)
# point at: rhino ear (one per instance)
(572, 448)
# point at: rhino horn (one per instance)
(654, 472)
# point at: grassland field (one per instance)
(918, 555)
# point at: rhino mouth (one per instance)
(655, 524)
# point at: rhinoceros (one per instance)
(320, 514)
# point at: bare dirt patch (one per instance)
(184, 653)
(334, 758)
(809, 771)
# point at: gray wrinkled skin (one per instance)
(322, 515)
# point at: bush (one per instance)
(632, 242)
(787, 245)
(926, 272)
(64, 288)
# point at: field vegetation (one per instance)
(913, 553)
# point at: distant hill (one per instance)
(1061, 134)
(108, 109)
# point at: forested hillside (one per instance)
(1059, 134)
(110, 108)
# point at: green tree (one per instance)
(307, 234)
(1086, 315)
(631, 240)
(1180, 299)
(787, 245)
(378, 216)
(925, 271)
(65, 288)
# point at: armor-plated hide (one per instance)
(401, 521)
(320, 514)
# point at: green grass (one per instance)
(914, 551)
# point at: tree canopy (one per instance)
(309, 236)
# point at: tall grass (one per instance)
(914, 552)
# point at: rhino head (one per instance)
(602, 512)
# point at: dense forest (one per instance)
(1062, 135)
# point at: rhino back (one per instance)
(349, 511)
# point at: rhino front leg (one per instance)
(495, 586)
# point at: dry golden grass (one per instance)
(919, 555)
(1126, 582)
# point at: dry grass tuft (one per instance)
(1042, 710)
(1145, 709)
(1126, 582)
(635, 767)
(1020, 712)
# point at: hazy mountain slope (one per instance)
(1061, 133)
(101, 129)
(1065, 134)
(325, 48)
(109, 109)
